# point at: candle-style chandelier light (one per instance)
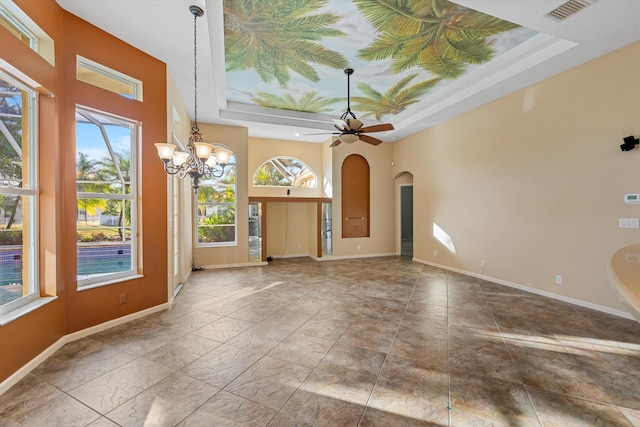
(201, 161)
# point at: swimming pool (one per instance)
(92, 259)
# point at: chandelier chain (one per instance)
(197, 162)
(195, 71)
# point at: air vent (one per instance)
(568, 9)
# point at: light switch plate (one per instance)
(628, 223)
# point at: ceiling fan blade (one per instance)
(340, 124)
(370, 140)
(377, 128)
(322, 133)
(335, 143)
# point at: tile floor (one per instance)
(368, 342)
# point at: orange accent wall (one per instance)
(26, 337)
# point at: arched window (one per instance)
(216, 207)
(284, 172)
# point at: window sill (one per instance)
(110, 281)
(25, 309)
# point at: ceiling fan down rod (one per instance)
(348, 72)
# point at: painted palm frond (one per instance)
(395, 100)
(438, 36)
(275, 37)
(310, 102)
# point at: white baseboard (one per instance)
(563, 298)
(33, 363)
(241, 264)
(339, 257)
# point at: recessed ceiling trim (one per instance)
(245, 116)
(568, 9)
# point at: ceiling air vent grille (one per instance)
(569, 8)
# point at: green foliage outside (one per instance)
(267, 175)
(219, 227)
(105, 176)
(10, 147)
(217, 209)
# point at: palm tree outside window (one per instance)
(106, 197)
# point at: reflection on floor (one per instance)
(369, 342)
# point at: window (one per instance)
(106, 195)
(216, 208)
(24, 29)
(284, 172)
(18, 195)
(106, 78)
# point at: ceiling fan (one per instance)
(350, 128)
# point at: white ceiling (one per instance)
(164, 29)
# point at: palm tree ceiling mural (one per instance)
(290, 54)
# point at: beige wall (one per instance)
(533, 183)
(291, 229)
(179, 191)
(382, 201)
(236, 138)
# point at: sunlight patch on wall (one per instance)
(444, 238)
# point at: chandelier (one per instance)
(201, 161)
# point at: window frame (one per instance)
(26, 30)
(31, 247)
(109, 73)
(14, 25)
(96, 280)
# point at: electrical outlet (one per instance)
(122, 298)
(357, 247)
(435, 253)
(481, 263)
(558, 279)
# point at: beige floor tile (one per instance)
(228, 410)
(222, 365)
(318, 403)
(27, 394)
(223, 329)
(560, 410)
(62, 410)
(490, 398)
(112, 389)
(165, 403)
(182, 351)
(370, 342)
(302, 349)
(270, 382)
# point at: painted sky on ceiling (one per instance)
(384, 41)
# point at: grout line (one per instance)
(384, 362)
